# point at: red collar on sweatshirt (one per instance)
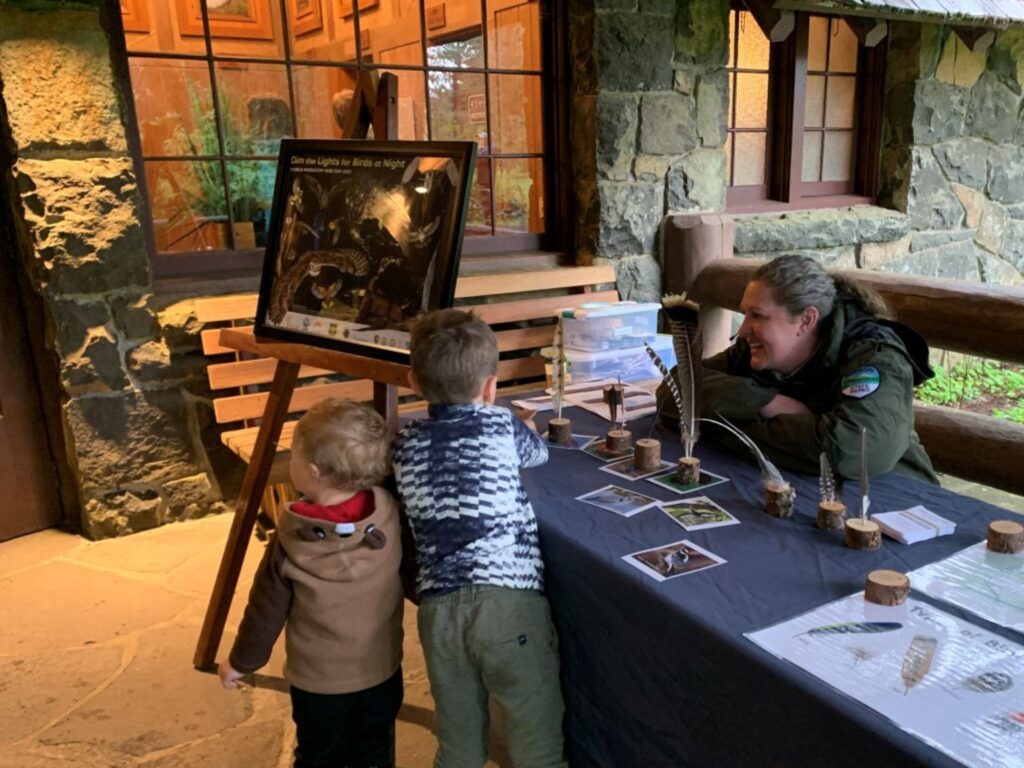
(352, 510)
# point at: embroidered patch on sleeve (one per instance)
(861, 382)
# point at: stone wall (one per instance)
(656, 92)
(137, 416)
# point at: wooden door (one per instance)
(29, 499)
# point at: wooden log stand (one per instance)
(618, 440)
(778, 500)
(884, 587)
(1005, 537)
(688, 470)
(831, 515)
(560, 431)
(647, 457)
(863, 534)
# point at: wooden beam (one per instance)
(975, 318)
(981, 448)
(870, 32)
(977, 39)
(777, 25)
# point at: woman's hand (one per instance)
(781, 405)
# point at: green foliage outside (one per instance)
(978, 385)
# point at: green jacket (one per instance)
(881, 361)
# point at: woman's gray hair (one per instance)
(799, 282)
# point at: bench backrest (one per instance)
(520, 306)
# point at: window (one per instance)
(217, 84)
(804, 115)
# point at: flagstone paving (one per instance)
(96, 660)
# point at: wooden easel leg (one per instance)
(385, 401)
(255, 481)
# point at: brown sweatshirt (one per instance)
(339, 599)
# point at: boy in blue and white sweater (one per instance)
(484, 622)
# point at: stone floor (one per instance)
(96, 660)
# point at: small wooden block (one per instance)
(647, 457)
(1005, 537)
(778, 500)
(863, 534)
(688, 470)
(886, 587)
(560, 431)
(618, 440)
(831, 515)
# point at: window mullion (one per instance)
(792, 125)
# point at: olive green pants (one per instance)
(488, 640)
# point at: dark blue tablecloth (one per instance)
(659, 674)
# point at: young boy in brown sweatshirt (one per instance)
(330, 579)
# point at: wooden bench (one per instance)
(520, 306)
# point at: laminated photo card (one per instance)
(697, 513)
(621, 501)
(626, 468)
(671, 560)
(668, 480)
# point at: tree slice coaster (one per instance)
(1006, 537)
(778, 500)
(886, 587)
(688, 470)
(647, 457)
(863, 534)
(560, 431)
(618, 440)
(831, 515)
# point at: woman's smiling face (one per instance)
(778, 340)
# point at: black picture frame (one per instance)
(364, 236)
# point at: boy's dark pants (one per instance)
(347, 730)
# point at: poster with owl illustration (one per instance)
(364, 236)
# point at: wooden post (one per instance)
(831, 515)
(560, 431)
(285, 375)
(863, 534)
(779, 499)
(1005, 536)
(647, 457)
(688, 470)
(690, 243)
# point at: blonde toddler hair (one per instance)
(347, 441)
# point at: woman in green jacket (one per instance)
(815, 361)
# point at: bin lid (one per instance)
(607, 309)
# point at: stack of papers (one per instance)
(909, 526)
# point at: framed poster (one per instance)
(244, 19)
(135, 15)
(306, 16)
(364, 236)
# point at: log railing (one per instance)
(977, 319)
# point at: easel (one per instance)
(374, 103)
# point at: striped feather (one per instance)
(683, 317)
(826, 481)
(854, 628)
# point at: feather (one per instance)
(769, 472)
(826, 482)
(673, 389)
(612, 396)
(683, 318)
(918, 660)
(558, 370)
(854, 628)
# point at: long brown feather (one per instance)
(918, 660)
(683, 318)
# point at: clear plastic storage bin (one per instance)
(604, 325)
(633, 364)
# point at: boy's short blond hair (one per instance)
(452, 354)
(347, 441)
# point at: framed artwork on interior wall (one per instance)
(244, 19)
(135, 15)
(364, 236)
(307, 16)
(345, 6)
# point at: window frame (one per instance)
(784, 188)
(557, 200)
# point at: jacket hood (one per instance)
(314, 545)
(854, 324)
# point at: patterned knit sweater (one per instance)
(458, 475)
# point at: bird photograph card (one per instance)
(671, 560)
(668, 480)
(364, 236)
(697, 513)
(621, 501)
(626, 468)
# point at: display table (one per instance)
(660, 674)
